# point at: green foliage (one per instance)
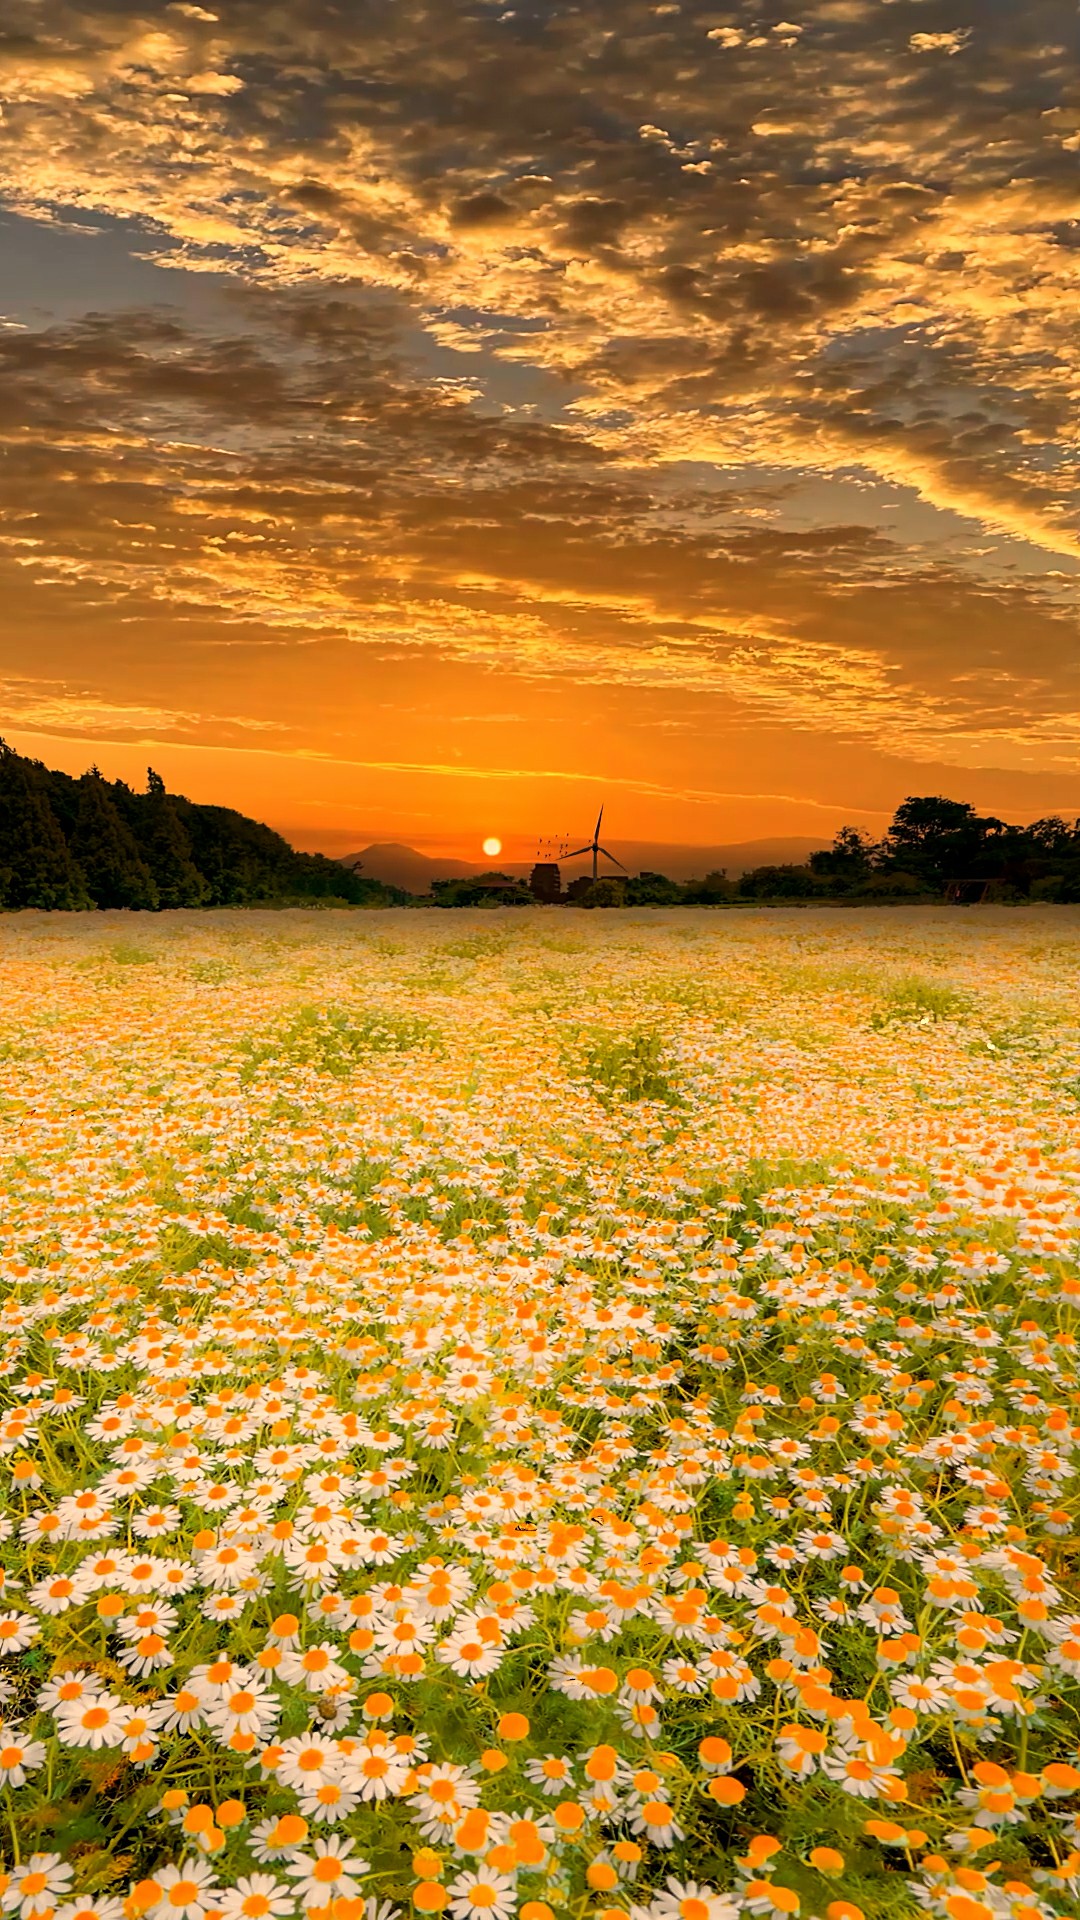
(714, 891)
(780, 883)
(107, 850)
(482, 890)
(608, 892)
(916, 998)
(624, 1067)
(125, 953)
(167, 848)
(95, 843)
(37, 866)
(652, 889)
(337, 1040)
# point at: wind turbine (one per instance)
(595, 849)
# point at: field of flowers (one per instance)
(540, 1414)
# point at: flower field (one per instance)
(542, 1414)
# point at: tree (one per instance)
(848, 861)
(921, 822)
(107, 850)
(779, 883)
(607, 892)
(1053, 835)
(482, 890)
(936, 839)
(713, 891)
(167, 849)
(651, 890)
(36, 864)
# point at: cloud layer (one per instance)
(690, 352)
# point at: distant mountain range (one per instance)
(400, 866)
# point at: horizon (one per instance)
(128, 760)
(420, 428)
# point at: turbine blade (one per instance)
(611, 857)
(573, 854)
(599, 817)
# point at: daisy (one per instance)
(213, 1679)
(688, 1900)
(105, 1570)
(276, 1839)
(144, 1656)
(855, 1773)
(315, 1668)
(656, 1822)
(329, 1872)
(779, 1903)
(530, 1836)
(67, 1688)
(55, 1595)
(149, 1617)
(138, 1734)
(156, 1523)
(920, 1694)
(446, 1784)
(186, 1892)
(482, 1893)
(249, 1708)
(18, 1756)
(284, 1631)
(375, 1773)
(328, 1801)
(682, 1676)
(552, 1773)
(224, 1606)
(92, 1907)
(175, 1576)
(258, 1896)
(183, 1711)
(35, 1886)
(307, 1760)
(17, 1631)
(93, 1723)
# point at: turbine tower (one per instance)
(596, 850)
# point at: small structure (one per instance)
(967, 893)
(545, 882)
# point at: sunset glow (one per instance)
(413, 412)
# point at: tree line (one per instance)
(72, 843)
(934, 849)
(81, 842)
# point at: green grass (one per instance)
(337, 1040)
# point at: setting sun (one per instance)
(492, 846)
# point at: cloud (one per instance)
(54, 707)
(508, 291)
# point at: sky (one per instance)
(425, 419)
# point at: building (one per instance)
(545, 882)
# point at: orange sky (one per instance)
(425, 422)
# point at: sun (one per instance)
(492, 845)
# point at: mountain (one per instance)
(400, 866)
(397, 866)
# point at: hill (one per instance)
(399, 866)
(402, 866)
(91, 842)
